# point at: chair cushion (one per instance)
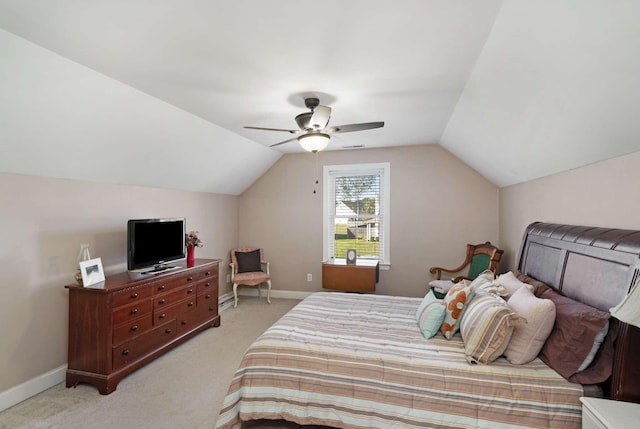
(249, 261)
(251, 279)
(441, 286)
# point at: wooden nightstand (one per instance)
(359, 277)
(608, 414)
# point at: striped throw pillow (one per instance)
(486, 328)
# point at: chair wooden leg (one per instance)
(269, 291)
(235, 295)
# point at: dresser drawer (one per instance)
(208, 286)
(179, 280)
(170, 284)
(188, 321)
(129, 296)
(208, 302)
(133, 350)
(132, 311)
(205, 274)
(170, 298)
(131, 328)
(163, 314)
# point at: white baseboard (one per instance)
(38, 384)
(287, 294)
(32, 387)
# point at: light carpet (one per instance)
(184, 388)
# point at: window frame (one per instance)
(328, 190)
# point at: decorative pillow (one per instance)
(537, 285)
(249, 262)
(486, 328)
(529, 338)
(511, 283)
(573, 334)
(430, 315)
(486, 283)
(457, 297)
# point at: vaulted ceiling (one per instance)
(516, 89)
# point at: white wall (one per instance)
(605, 194)
(438, 204)
(42, 223)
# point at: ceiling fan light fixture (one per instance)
(314, 142)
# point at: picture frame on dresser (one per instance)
(92, 273)
(351, 256)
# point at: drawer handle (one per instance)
(168, 331)
(134, 328)
(207, 284)
(125, 352)
(212, 309)
(190, 304)
(184, 322)
(190, 291)
(162, 301)
(189, 278)
(134, 311)
(207, 296)
(162, 316)
(207, 273)
(161, 287)
(134, 295)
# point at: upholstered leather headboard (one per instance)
(596, 266)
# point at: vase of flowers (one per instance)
(192, 241)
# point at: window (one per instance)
(356, 211)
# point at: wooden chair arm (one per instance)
(439, 270)
(266, 264)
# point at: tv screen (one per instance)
(154, 242)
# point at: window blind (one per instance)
(355, 217)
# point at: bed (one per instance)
(360, 361)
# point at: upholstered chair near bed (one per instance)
(249, 268)
(480, 257)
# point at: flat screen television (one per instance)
(152, 243)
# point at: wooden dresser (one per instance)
(135, 318)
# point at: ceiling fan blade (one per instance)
(356, 127)
(320, 117)
(274, 129)
(283, 142)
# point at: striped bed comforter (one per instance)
(360, 361)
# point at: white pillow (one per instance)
(486, 282)
(597, 341)
(430, 315)
(528, 339)
(511, 283)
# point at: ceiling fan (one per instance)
(314, 130)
